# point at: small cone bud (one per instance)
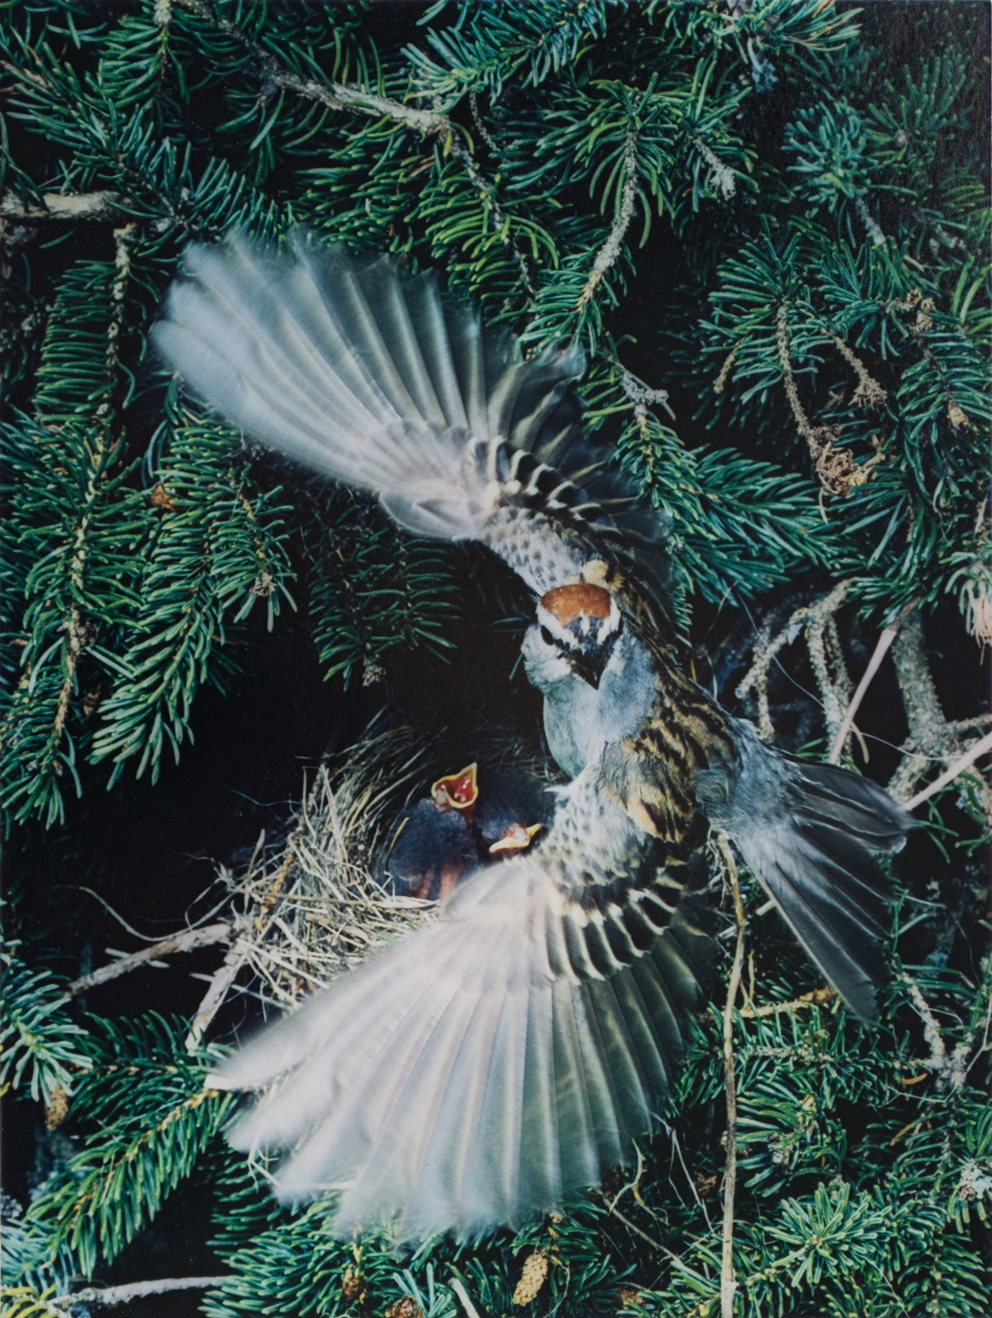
(405, 1307)
(957, 416)
(352, 1285)
(532, 1278)
(57, 1110)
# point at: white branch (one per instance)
(183, 942)
(966, 761)
(109, 1297)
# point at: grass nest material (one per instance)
(307, 906)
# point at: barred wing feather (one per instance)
(469, 1074)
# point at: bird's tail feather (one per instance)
(811, 833)
(467, 1076)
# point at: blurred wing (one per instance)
(382, 383)
(476, 1072)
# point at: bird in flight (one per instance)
(490, 1065)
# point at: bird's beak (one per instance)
(458, 791)
(590, 666)
(516, 838)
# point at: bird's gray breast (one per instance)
(581, 720)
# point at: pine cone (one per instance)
(532, 1277)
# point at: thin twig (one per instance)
(615, 1212)
(728, 1284)
(958, 767)
(184, 942)
(881, 650)
(220, 986)
(815, 998)
(109, 1297)
(610, 250)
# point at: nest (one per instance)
(307, 905)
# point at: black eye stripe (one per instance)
(547, 638)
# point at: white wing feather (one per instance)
(467, 1075)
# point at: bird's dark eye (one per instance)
(546, 636)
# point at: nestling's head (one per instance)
(576, 630)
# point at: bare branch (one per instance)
(816, 617)
(61, 206)
(183, 942)
(728, 1283)
(932, 739)
(213, 999)
(881, 650)
(958, 767)
(109, 1297)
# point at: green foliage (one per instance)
(41, 1047)
(143, 1099)
(218, 549)
(783, 215)
(488, 49)
(374, 589)
(585, 140)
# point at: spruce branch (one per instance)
(339, 96)
(607, 255)
(836, 468)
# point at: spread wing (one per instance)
(382, 383)
(484, 1068)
